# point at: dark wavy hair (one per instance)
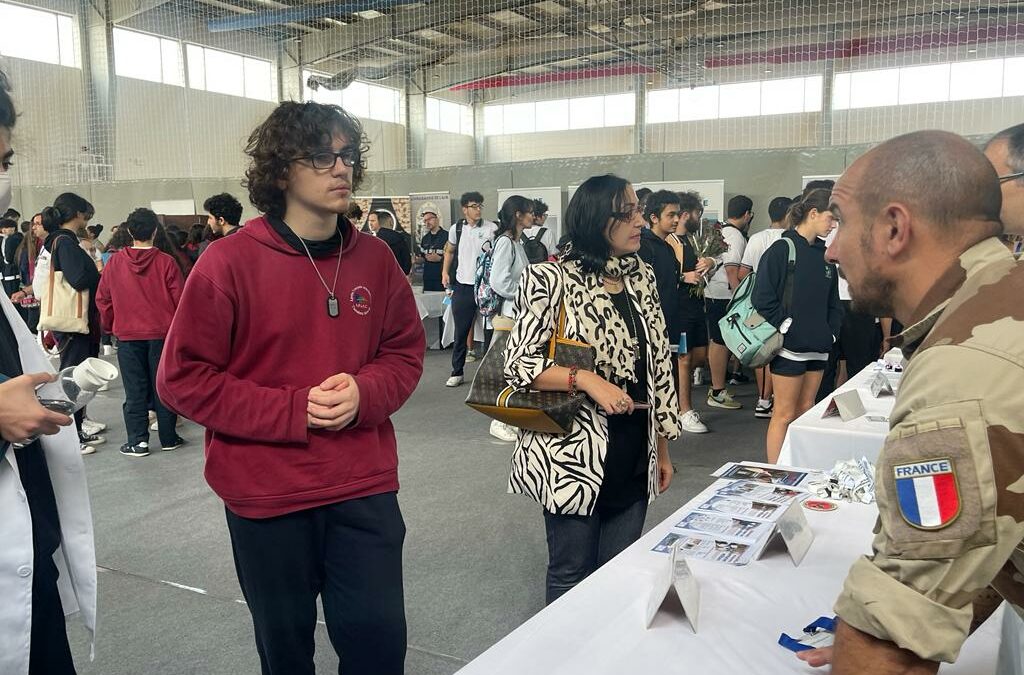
(507, 214)
(120, 239)
(65, 207)
(142, 224)
(293, 130)
(656, 203)
(596, 202)
(815, 199)
(8, 115)
(224, 206)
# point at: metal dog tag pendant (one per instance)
(332, 306)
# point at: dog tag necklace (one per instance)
(332, 300)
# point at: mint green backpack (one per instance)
(746, 333)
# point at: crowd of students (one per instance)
(132, 284)
(299, 443)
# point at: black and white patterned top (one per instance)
(564, 472)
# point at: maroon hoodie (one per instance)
(252, 336)
(138, 293)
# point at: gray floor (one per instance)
(169, 602)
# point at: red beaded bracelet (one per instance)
(572, 381)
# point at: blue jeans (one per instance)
(578, 545)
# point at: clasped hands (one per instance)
(333, 404)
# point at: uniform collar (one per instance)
(938, 297)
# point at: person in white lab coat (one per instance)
(47, 558)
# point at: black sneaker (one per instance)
(91, 439)
(764, 411)
(738, 378)
(178, 442)
(138, 450)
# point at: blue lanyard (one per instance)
(823, 623)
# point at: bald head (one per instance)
(942, 179)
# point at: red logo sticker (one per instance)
(360, 298)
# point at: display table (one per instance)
(599, 627)
(819, 443)
(430, 305)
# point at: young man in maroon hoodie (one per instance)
(295, 341)
(139, 291)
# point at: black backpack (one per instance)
(536, 251)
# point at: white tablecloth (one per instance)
(819, 443)
(430, 305)
(599, 627)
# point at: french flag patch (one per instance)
(927, 493)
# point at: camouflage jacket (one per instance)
(950, 478)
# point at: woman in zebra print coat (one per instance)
(595, 482)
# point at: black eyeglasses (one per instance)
(1011, 176)
(473, 205)
(627, 215)
(327, 159)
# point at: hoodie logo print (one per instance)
(360, 298)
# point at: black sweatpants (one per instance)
(74, 349)
(350, 554)
(139, 360)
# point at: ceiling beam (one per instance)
(705, 27)
(337, 41)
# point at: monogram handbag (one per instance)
(62, 308)
(550, 412)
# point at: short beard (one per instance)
(875, 296)
(691, 226)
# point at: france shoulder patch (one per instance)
(927, 493)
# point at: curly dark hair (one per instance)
(8, 116)
(224, 206)
(293, 130)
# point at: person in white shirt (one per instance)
(507, 264)
(740, 212)
(466, 241)
(539, 227)
(755, 248)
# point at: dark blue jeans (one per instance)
(578, 545)
(139, 360)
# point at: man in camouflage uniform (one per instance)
(918, 240)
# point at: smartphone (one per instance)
(638, 405)
(683, 350)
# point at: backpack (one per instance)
(745, 332)
(536, 251)
(487, 301)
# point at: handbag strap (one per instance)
(560, 332)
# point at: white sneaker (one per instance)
(108, 350)
(691, 422)
(454, 381)
(503, 431)
(92, 427)
(698, 377)
(87, 449)
(470, 357)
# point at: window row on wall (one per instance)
(742, 99)
(149, 57)
(38, 35)
(454, 118)
(364, 100)
(937, 83)
(590, 112)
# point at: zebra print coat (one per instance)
(564, 473)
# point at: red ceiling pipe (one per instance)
(872, 45)
(523, 80)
